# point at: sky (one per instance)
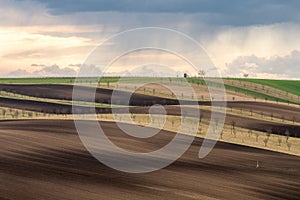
(42, 38)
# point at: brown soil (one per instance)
(104, 96)
(239, 121)
(45, 159)
(65, 92)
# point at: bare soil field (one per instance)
(55, 91)
(239, 121)
(44, 159)
(102, 95)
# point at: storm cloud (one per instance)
(279, 66)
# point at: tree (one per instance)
(3, 112)
(256, 137)
(294, 119)
(289, 145)
(272, 116)
(279, 141)
(200, 130)
(249, 133)
(287, 134)
(16, 114)
(201, 117)
(266, 141)
(201, 73)
(234, 133)
(233, 124)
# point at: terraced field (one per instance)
(40, 149)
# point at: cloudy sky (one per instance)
(54, 37)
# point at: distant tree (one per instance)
(287, 134)
(234, 132)
(200, 130)
(294, 119)
(279, 141)
(289, 145)
(201, 73)
(30, 114)
(249, 133)
(3, 112)
(266, 141)
(201, 117)
(233, 124)
(16, 114)
(272, 116)
(268, 134)
(256, 136)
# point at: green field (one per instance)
(290, 86)
(69, 80)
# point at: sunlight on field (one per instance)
(236, 135)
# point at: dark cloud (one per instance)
(286, 66)
(233, 12)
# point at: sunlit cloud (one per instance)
(50, 33)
